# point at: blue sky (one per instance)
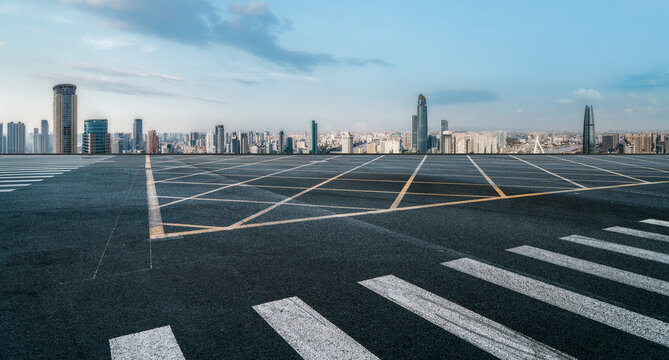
(186, 65)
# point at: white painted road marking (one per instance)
(23, 181)
(482, 332)
(12, 185)
(158, 344)
(155, 219)
(621, 249)
(310, 334)
(638, 233)
(616, 317)
(603, 271)
(7, 190)
(656, 222)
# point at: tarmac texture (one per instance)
(334, 257)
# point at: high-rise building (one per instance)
(96, 139)
(36, 141)
(447, 145)
(282, 142)
(44, 137)
(152, 143)
(610, 143)
(16, 138)
(64, 119)
(347, 143)
(589, 130)
(414, 132)
(502, 140)
(220, 139)
(312, 137)
(243, 143)
(210, 142)
(421, 128)
(117, 146)
(137, 135)
(289, 145)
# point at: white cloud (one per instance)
(108, 42)
(520, 111)
(252, 8)
(294, 77)
(118, 72)
(588, 94)
(113, 4)
(148, 49)
(2, 43)
(564, 101)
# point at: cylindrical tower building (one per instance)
(64, 119)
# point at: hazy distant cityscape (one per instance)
(65, 138)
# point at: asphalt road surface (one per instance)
(334, 257)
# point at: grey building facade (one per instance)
(220, 139)
(16, 138)
(312, 136)
(137, 134)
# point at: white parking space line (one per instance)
(621, 249)
(638, 233)
(480, 331)
(155, 219)
(549, 172)
(656, 222)
(310, 334)
(603, 271)
(7, 190)
(13, 185)
(155, 344)
(598, 168)
(616, 317)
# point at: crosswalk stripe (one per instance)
(656, 222)
(26, 177)
(628, 321)
(603, 271)
(480, 331)
(621, 249)
(310, 334)
(638, 233)
(158, 344)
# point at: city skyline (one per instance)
(475, 68)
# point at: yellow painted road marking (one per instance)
(598, 168)
(249, 218)
(499, 191)
(407, 208)
(549, 172)
(407, 185)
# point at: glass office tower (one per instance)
(589, 130)
(64, 119)
(421, 130)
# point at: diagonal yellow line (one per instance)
(598, 168)
(400, 196)
(249, 218)
(549, 172)
(499, 191)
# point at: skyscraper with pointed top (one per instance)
(421, 128)
(589, 130)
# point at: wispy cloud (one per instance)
(564, 101)
(107, 43)
(105, 84)
(117, 72)
(650, 80)
(2, 43)
(250, 27)
(588, 94)
(461, 96)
